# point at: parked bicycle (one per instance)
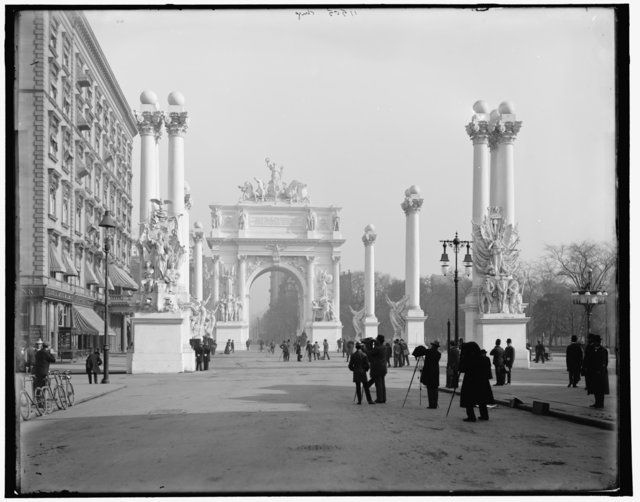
(55, 383)
(68, 387)
(38, 401)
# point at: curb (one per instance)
(593, 422)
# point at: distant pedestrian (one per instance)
(388, 353)
(261, 344)
(248, 344)
(285, 351)
(325, 348)
(476, 388)
(359, 365)
(227, 347)
(339, 344)
(199, 357)
(350, 348)
(453, 365)
(206, 356)
(272, 347)
(574, 361)
(430, 376)
(92, 365)
(595, 365)
(498, 362)
(398, 360)
(378, 362)
(405, 352)
(539, 352)
(509, 358)
(233, 346)
(316, 351)
(298, 351)
(309, 350)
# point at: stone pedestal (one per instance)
(414, 329)
(238, 331)
(160, 343)
(489, 327)
(370, 327)
(318, 331)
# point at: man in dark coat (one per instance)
(430, 376)
(595, 365)
(574, 361)
(498, 362)
(378, 361)
(539, 351)
(92, 365)
(199, 357)
(30, 363)
(453, 363)
(388, 353)
(509, 358)
(475, 384)
(41, 371)
(349, 346)
(206, 356)
(359, 364)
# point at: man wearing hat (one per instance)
(359, 365)
(30, 363)
(430, 376)
(43, 359)
(378, 360)
(574, 361)
(596, 375)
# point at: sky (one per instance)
(362, 104)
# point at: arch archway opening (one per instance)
(276, 306)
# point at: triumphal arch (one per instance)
(274, 227)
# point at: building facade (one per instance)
(74, 136)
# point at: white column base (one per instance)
(160, 343)
(489, 327)
(238, 331)
(318, 331)
(370, 328)
(414, 329)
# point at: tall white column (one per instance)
(216, 279)
(506, 131)
(478, 131)
(242, 287)
(310, 288)
(198, 273)
(176, 123)
(149, 123)
(370, 320)
(411, 206)
(336, 286)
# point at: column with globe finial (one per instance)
(198, 239)
(370, 320)
(176, 123)
(414, 316)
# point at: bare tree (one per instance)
(576, 261)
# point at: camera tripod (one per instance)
(419, 364)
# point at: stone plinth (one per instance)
(370, 328)
(318, 331)
(489, 327)
(414, 329)
(238, 331)
(160, 343)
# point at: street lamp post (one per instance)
(589, 299)
(456, 244)
(107, 223)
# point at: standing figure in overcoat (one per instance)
(378, 361)
(509, 358)
(596, 374)
(43, 358)
(574, 361)
(206, 356)
(359, 364)
(453, 365)
(476, 388)
(430, 376)
(92, 365)
(199, 357)
(498, 361)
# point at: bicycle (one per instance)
(41, 402)
(59, 393)
(68, 387)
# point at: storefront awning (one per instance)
(90, 276)
(71, 268)
(87, 321)
(100, 277)
(55, 262)
(121, 278)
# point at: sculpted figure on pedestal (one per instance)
(486, 295)
(311, 220)
(242, 220)
(336, 222)
(216, 218)
(358, 320)
(397, 314)
(496, 245)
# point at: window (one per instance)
(79, 203)
(63, 315)
(53, 195)
(65, 206)
(53, 34)
(97, 186)
(54, 130)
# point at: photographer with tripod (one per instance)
(430, 376)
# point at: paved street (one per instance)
(256, 424)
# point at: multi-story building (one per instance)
(74, 136)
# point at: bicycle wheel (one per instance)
(40, 401)
(25, 405)
(71, 395)
(60, 397)
(49, 400)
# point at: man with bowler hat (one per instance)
(378, 360)
(509, 358)
(430, 376)
(574, 361)
(359, 365)
(595, 371)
